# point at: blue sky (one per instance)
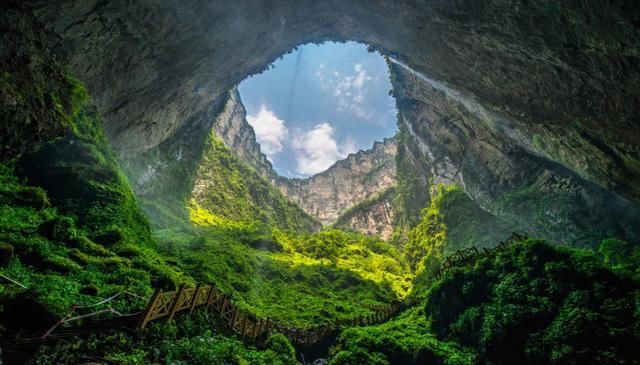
(336, 103)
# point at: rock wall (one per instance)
(375, 216)
(348, 182)
(562, 76)
(559, 68)
(232, 127)
(458, 141)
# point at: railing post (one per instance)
(150, 307)
(233, 317)
(222, 305)
(210, 296)
(244, 326)
(176, 302)
(256, 330)
(266, 326)
(194, 300)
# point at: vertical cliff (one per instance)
(348, 182)
(494, 159)
(235, 132)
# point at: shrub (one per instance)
(535, 303)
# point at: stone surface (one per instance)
(552, 86)
(360, 176)
(374, 216)
(232, 127)
(556, 67)
(461, 142)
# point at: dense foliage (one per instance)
(72, 233)
(193, 340)
(230, 189)
(536, 303)
(405, 340)
(302, 280)
(70, 228)
(532, 303)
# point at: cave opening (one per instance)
(319, 103)
(130, 165)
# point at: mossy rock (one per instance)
(32, 197)
(59, 264)
(89, 247)
(6, 253)
(110, 237)
(89, 290)
(113, 263)
(25, 314)
(128, 251)
(79, 257)
(58, 229)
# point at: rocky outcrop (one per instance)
(573, 67)
(33, 84)
(374, 216)
(348, 182)
(232, 128)
(459, 141)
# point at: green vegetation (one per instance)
(297, 279)
(193, 340)
(72, 232)
(71, 221)
(405, 339)
(411, 193)
(535, 303)
(621, 256)
(467, 224)
(532, 303)
(231, 190)
(556, 206)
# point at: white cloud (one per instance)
(317, 149)
(350, 91)
(271, 131)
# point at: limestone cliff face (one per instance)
(348, 182)
(547, 92)
(497, 161)
(232, 127)
(374, 216)
(569, 70)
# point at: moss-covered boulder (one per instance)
(58, 229)
(6, 253)
(25, 314)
